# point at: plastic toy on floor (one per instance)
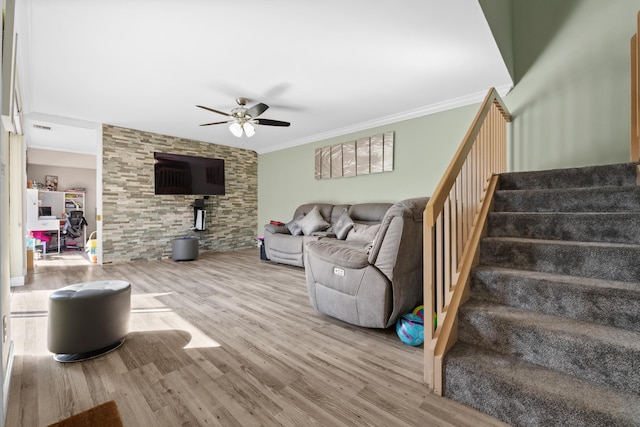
(410, 329)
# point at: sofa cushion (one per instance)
(325, 209)
(343, 225)
(368, 213)
(336, 212)
(312, 222)
(294, 225)
(363, 233)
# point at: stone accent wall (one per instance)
(137, 224)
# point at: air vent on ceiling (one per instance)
(42, 127)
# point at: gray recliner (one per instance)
(370, 285)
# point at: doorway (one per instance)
(65, 211)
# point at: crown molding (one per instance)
(394, 118)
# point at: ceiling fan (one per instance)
(242, 119)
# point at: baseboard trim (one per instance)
(16, 281)
(6, 385)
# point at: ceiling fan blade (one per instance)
(270, 122)
(216, 123)
(211, 109)
(256, 110)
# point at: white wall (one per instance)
(18, 230)
(5, 276)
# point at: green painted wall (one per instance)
(499, 15)
(423, 148)
(571, 101)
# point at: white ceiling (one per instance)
(329, 67)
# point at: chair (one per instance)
(40, 238)
(73, 228)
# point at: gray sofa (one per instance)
(370, 284)
(363, 262)
(285, 243)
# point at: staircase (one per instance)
(551, 333)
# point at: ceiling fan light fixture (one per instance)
(243, 120)
(236, 129)
(249, 130)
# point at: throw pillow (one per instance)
(363, 233)
(343, 225)
(294, 226)
(313, 221)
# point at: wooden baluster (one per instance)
(453, 225)
(635, 101)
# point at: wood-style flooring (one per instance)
(225, 340)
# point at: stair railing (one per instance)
(635, 97)
(454, 221)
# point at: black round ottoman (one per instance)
(184, 249)
(87, 320)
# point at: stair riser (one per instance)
(597, 361)
(570, 200)
(514, 405)
(596, 176)
(598, 261)
(611, 228)
(618, 308)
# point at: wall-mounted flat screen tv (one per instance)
(179, 174)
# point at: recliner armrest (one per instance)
(276, 229)
(339, 253)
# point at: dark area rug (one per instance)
(104, 415)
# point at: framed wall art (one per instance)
(365, 156)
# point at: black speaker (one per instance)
(199, 203)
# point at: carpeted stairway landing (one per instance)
(551, 333)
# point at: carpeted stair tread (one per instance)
(624, 174)
(611, 227)
(551, 333)
(596, 199)
(609, 261)
(606, 302)
(524, 394)
(594, 352)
